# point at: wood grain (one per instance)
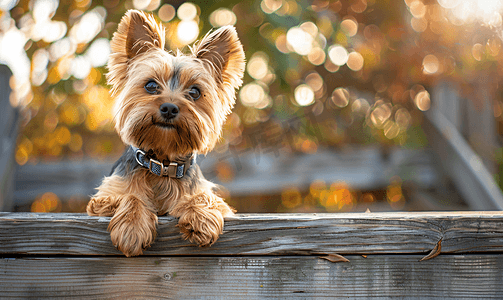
(447, 276)
(266, 234)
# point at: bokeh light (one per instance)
(166, 12)
(316, 56)
(257, 66)
(338, 55)
(254, 95)
(380, 114)
(141, 4)
(478, 51)
(419, 24)
(88, 26)
(222, 17)
(98, 52)
(187, 31)
(270, 6)
(299, 40)
(355, 61)
(422, 100)
(340, 97)
(394, 194)
(304, 95)
(349, 27)
(417, 9)
(48, 202)
(431, 64)
(315, 81)
(338, 197)
(291, 197)
(187, 11)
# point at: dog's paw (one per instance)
(201, 226)
(100, 206)
(132, 231)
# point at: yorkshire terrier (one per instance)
(169, 107)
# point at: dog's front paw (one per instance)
(201, 226)
(132, 229)
(100, 206)
(201, 229)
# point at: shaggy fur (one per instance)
(132, 195)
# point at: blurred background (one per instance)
(346, 106)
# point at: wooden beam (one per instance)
(448, 276)
(9, 126)
(461, 163)
(266, 234)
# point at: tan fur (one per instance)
(134, 200)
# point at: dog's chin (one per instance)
(163, 124)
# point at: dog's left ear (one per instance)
(222, 50)
(137, 33)
(143, 33)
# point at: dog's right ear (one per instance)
(136, 34)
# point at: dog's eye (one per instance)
(194, 93)
(152, 87)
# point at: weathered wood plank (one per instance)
(266, 234)
(448, 276)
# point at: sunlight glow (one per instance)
(465, 12)
(88, 26)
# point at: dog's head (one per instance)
(170, 102)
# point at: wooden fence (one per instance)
(9, 120)
(407, 255)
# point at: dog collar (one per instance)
(172, 169)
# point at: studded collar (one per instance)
(171, 169)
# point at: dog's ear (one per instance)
(143, 33)
(223, 52)
(137, 33)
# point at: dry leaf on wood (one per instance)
(335, 258)
(434, 252)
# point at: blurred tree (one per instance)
(319, 74)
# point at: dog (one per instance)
(169, 107)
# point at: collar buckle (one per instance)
(140, 156)
(173, 170)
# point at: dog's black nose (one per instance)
(169, 110)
